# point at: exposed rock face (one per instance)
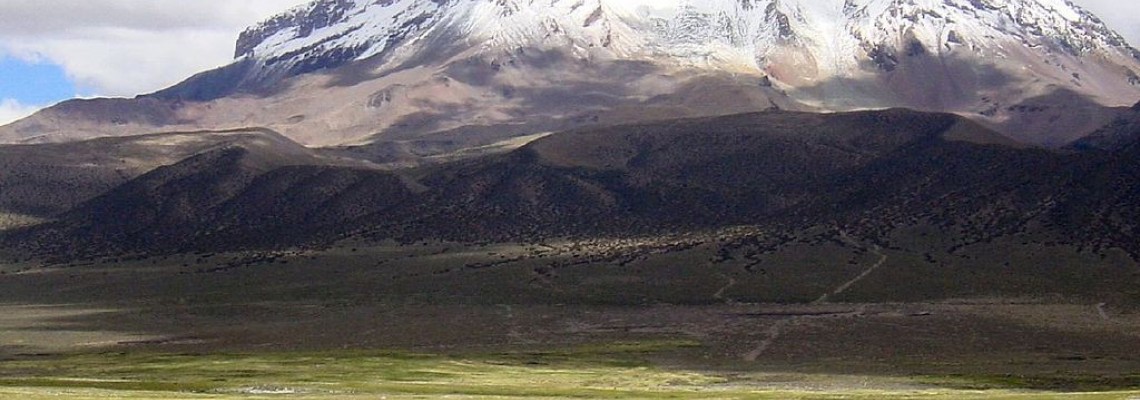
(796, 41)
(306, 20)
(350, 71)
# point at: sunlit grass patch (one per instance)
(614, 370)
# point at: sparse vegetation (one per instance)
(665, 317)
(605, 371)
(759, 256)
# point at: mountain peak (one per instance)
(411, 67)
(327, 33)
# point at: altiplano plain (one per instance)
(572, 199)
(409, 321)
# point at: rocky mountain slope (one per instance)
(1121, 132)
(239, 188)
(877, 175)
(801, 43)
(43, 181)
(355, 71)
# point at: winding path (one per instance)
(778, 327)
(847, 285)
(773, 332)
(719, 295)
(1100, 310)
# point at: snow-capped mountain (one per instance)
(329, 32)
(403, 68)
(796, 41)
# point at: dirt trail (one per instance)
(773, 333)
(719, 295)
(847, 285)
(1100, 310)
(777, 328)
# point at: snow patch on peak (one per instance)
(575, 24)
(832, 31)
(798, 43)
(1063, 8)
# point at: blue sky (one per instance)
(54, 50)
(34, 83)
(27, 85)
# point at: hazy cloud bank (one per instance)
(127, 47)
(11, 110)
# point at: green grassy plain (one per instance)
(615, 371)
(635, 319)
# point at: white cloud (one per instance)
(12, 110)
(129, 47)
(124, 62)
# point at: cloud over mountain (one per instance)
(11, 110)
(127, 47)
